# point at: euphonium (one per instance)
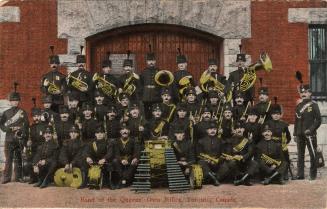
(164, 78)
(184, 83)
(129, 87)
(107, 88)
(53, 88)
(250, 75)
(77, 83)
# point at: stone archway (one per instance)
(230, 20)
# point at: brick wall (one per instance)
(287, 45)
(24, 48)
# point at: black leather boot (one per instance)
(214, 179)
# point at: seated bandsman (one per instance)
(201, 127)
(240, 108)
(238, 152)
(89, 123)
(269, 157)
(263, 107)
(156, 128)
(74, 110)
(209, 150)
(168, 108)
(100, 108)
(280, 133)
(181, 121)
(136, 122)
(252, 127)
(215, 103)
(127, 154)
(45, 159)
(184, 150)
(48, 113)
(192, 103)
(63, 125)
(122, 107)
(71, 153)
(99, 152)
(227, 122)
(112, 122)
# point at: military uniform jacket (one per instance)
(47, 151)
(178, 75)
(184, 151)
(151, 90)
(74, 114)
(235, 78)
(227, 126)
(21, 122)
(127, 149)
(307, 117)
(262, 108)
(210, 145)
(193, 108)
(51, 114)
(180, 123)
(269, 147)
(88, 129)
(200, 129)
(237, 145)
(168, 111)
(62, 129)
(254, 129)
(100, 112)
(133, 125)
(113, 127)
(71, 151)
(136, 82)
(86, 77)
(238, 111)
(214, 108)
(99, 149)
(150, 127)
(278, 128)
(58, 79)
(36, 133)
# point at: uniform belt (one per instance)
(150, 86)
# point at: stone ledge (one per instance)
(9, 14)
(307, 15)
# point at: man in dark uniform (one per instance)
(151, 90)
(62, 125)
(71, 153)
(113, 123)
(80, 81)
(89, 123)
(226, 126)
(184, 150)
(122, 107)
(127, 155)
(54, 83)
(181, 73)
(72, 103)
(236, 76)
(47, 113)
(156, 127)
(168, 108)
(45, 159)
(200, 128)
(14, 122)
(215, 104)
(240, 108)
(130, 81)
(252, 127)
(264, 105)
(238, 152)
(269, 157)
(99, 152)
(100, 108)
(307, 121)
(136, 122)
(34, 140)
(181, 121)
(106, 82)
(210, 147)
(280, 133)
(192, 104)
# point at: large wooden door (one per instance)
(165, 39)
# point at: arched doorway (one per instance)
(198, 46)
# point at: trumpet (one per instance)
(270, 161)
(209, 158)
(77, 83)
(107, 88)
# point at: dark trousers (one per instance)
(302, 142)
(12, 151)
(217, 169)
(235, 168)
(47, 171)
(126, 172)
(266, 171)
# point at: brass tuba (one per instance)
(107, 88)
(164, 78)
(77, 83)
(250, 75)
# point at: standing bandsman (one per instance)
(264, 105)
(127, 151)
(236, 76)
(130, 80)
(151, 90)
(80, 81)
(106, 82)
(182, 78)
(54, 83)
(14, 122)
(307, 121)
(45, 159)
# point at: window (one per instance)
(318, 60)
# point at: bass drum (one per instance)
(95, 177)
(196, 176)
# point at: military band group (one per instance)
(105, 120)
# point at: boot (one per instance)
(84, 181)
(39, 182)
(268, 180)
(214, 179)
(45, 183)
(241, 181)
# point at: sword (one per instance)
(311, 146)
